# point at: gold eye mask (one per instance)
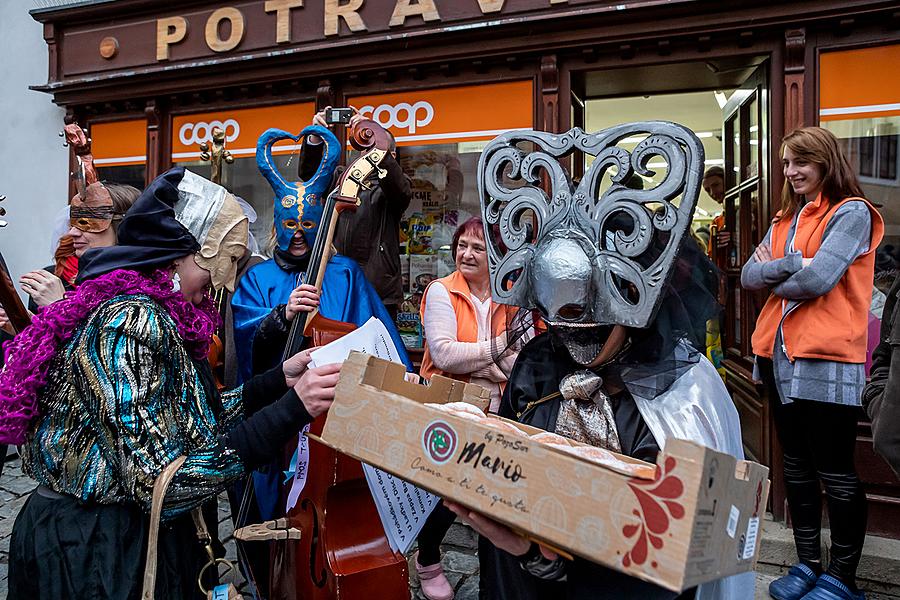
(93, 213)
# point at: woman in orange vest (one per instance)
(817, 260)
(466, 339)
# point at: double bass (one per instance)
(83, 176)
(343, 551)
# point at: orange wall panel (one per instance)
(119, 143)
(855, 84)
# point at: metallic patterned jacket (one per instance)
(124, 399)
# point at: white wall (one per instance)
(33, 162)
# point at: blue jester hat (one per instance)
(298, 204)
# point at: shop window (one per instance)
(120, 151)
(243, 129)
(864, 113)
(697, 110)
(871, 147)
(440, 138)
(875, 156)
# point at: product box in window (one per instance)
(422, 271)
(404, 237)
(445, 262)
(409, 323)
(693, 517)
(451, 219)
(421, 231)
(404, 273)
(429, 199)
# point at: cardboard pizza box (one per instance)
(694, 517)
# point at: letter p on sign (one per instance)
(170, 30)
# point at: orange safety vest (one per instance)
(466, 321)
(833, 326)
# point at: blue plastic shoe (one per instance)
(831, 588)
(797, 584)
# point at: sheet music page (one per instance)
(403, 507)
(372, 338)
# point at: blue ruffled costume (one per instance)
(346, 296)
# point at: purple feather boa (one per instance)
(29, 354)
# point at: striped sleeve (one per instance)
(151, 408)
(762, 275)
(846, 236)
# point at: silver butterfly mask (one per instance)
(582, 258)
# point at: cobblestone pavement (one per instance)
(459, 557)
(14, 490)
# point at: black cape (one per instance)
(537, 373)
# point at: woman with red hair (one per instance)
(465, 339)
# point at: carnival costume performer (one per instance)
(370, 235)
(111, 384)
(92, 223)
(625, 301)
(271, 293)
(260, 322)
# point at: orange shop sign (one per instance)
(119, 143)
(242, 129)
(857, 84)
(450, 115)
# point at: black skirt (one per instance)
(63, 548)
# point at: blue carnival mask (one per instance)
(298, 204)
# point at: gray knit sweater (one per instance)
(846, 237)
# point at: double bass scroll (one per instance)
(213, 151)
(85, 173)
(374, 141)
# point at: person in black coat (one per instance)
(881, 396)
(370, 235)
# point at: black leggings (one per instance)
(432, 534)
(818, 440)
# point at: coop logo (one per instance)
(191, 134)
(439, 441)
(400, 116)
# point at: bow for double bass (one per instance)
(343, 552)
(18, 315)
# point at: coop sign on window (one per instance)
(242, 129)
(402, 115)
(196, 133)
(445, 115)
